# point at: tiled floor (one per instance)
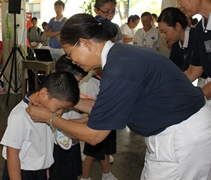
(128, 161)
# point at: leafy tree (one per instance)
(88, 7)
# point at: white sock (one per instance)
(106, 175)
(85, 179)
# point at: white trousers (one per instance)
(182, 151)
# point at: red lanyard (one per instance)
(84, 96)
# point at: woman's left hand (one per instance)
(38, 114)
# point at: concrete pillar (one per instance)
(8, 44)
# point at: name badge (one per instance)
(208, 45)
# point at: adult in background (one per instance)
(201, 60)
(107, 9)
(53, 30)
(173, 25)
(128, 29)
(142, 89)
(147, 36)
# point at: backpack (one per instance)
(38, 30)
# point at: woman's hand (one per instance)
(38, 114)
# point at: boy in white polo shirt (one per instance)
(28, 146)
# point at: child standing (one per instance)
(28, 146)
(67, 162)
(103, 150)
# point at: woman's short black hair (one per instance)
(86, 26)
(100, 3)
(171, 16)
(133, 18)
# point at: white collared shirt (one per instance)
(208, 27)
(60, 20)
(105, 51)
(186, 38)
(148, 39)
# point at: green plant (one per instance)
(88, 7)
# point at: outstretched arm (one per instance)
(74, 129)
(193, 72)
(85, 105)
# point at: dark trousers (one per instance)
(26, 175)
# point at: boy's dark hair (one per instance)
(133, 18)
(62, 86)
(65, 64)
(146, 14)
(34, 18)
(171, 16)
(100, 3)
(44, 23)
(59, 3)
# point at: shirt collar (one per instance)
(147, 31)
(186, 38)
(105, 51)
(208, 27)
(60, 20)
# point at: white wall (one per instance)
(47, 9)
(168, 3)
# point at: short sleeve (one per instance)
(49, 26)
(15, 132)
(113, 105)
(123, 29)
(136, 36)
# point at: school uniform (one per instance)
(142, 89)
(34, 35)
(54, 45)
(108, 145)
(34, 140)
(67, 165)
